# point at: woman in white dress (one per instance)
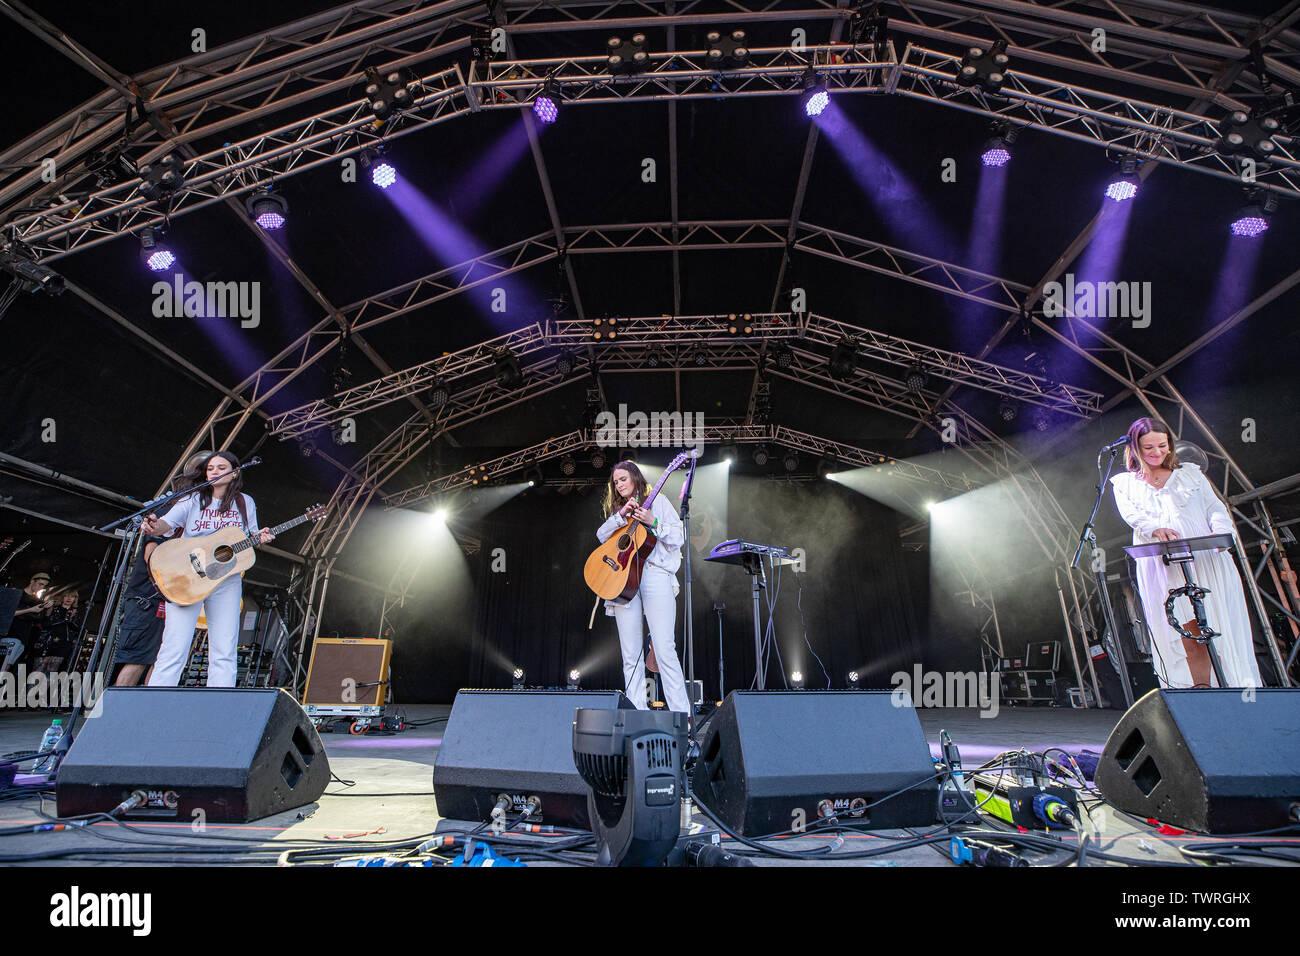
(1162, 500)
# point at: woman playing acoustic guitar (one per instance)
(656, 598)
(198, 515)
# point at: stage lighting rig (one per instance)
(598, 458)
(604, 330)
(984, 68)
(853, 680)
(1124, 186)
(30, 274)
(1254, 218)
(627, 56)
(997, 151)
(727, 454)
(162, 178)
(760, 455)
(568, 465)
(727, 51)
(546, 105)
(917, 377)
(388, 93)
(1247, 134)
(439, 393)
(815, 97)
(631, 762)
(783, 355)
(518, 677)
(867, 25)
(1042, 419)
(844, 360)
(826, 467)
(796, 679)
(267, 208)
(375, 163)
(575, 678)
(791, 461)
(154, 252)
(740, 324)
(1008, 410)
(508, 372)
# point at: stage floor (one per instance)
(387, 796)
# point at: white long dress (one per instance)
(1187, 504)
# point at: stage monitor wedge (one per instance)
(1212, 761)
(225, 755)
(773, 761)
(516, 743)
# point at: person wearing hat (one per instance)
(30, 606)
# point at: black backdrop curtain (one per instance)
(859, 600)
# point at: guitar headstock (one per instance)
(316, 512)
(677, 462)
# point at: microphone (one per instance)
(256, 460)
(1116, 445)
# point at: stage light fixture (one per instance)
(654, 358)
(1042, 419)
(1245, 133)
(784, 356)
(598, 458)
(534, 476)
(575, 678)
(387, 93)
(1008, 410)
(546, 105)
(815, 97)
(267, 208)
(439, 393)
(760, 455)
(853, 680)
(825, 467)
(153, 252)
(508, 372)
(917, 377)
(568, 465)
(700, 358)
(1124, 186)
(984, 68)
(564, 363)
(630, 56)
(162, 178)
(740, 324)
(32, 276)
(727, 51)
(604, 329)
(844, 360)
(790, 460)
(997, 151)
(1253, 219)
(306, 447)
(728, 453)
(382, 173)
(518, 677)
(796, 678)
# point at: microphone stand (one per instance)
(117, 593)
(689, 629)
(1088, 538)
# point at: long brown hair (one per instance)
(613, 500)
(1143, 427)
(233, 491)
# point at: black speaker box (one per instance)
(1213, 761)
(516, 743)
(236, 755)
(769, 759)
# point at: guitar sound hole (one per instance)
(624, 542)
(223, 553)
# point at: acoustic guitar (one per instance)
(614, 569)
(187, 570)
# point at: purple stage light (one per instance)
(545, 108)
(270, 220)
(816, 102)
(1250, 226)
(996, 156)
(1121, 190)
(160, 260)
(383, 175)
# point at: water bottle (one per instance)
(53, 734)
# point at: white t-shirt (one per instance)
(198, 522)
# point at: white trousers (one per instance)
(657, 600)
(221, 608)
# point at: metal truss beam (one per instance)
(1151, 130)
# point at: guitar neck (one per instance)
(250, 541)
